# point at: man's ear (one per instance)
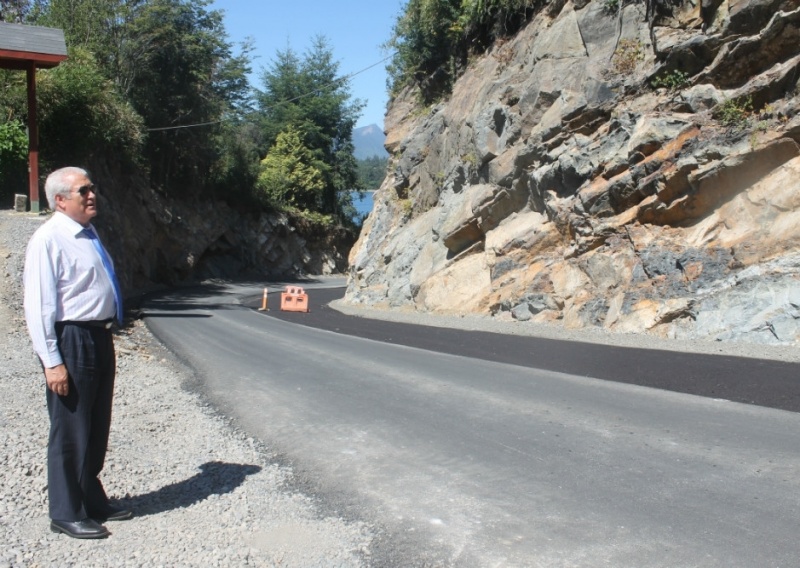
(60, 199)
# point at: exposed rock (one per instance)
(168, 242)
(558, 185)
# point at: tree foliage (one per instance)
(81, 115)
(433, 39)
(289, 175)
(183, 74)
(425, 44)
(372, 171)
(13, 143)
(142, 74)
(306, 95)
(13, 154)
(15, 11)
(153, 87)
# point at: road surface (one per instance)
(464, 461)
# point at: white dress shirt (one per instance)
(64, 280)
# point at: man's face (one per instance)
(80, 205)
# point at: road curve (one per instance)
(763, 382)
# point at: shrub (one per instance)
(407, 207)
(82, 115)
(734, 113)
(13, 158)
(13, 145)
(671, 80)
(432, 40)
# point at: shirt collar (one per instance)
(70, 224)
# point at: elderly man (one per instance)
(71, 299)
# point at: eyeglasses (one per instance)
(85, 189)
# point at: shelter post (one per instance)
(33, 139)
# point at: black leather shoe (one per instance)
(111, 514)
(87, 528)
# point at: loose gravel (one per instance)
(203, 493)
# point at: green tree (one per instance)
(171, 61)
(186, 84)
(372, 171)
(425, 46)
(433, 39)
(307, 96)
(82, 116)
(13, 144)
(96, 25)
(235, 174)
(288, 175)
(13, 159)
(279, 102)
(14, 11)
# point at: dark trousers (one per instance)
(80, 422)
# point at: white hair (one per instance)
(57, 183)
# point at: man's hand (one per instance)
(57, 379)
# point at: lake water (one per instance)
(363, 203)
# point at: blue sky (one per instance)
(355, 29)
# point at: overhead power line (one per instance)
(298, 97)
(162, 128)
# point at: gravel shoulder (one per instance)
(203, 492)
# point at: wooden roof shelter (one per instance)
(27, 48)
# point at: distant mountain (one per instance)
(368, 142)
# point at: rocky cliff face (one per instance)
(158, 241)
(634, 168)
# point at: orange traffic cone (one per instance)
(263, 307)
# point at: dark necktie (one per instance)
(109, 270)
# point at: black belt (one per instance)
(100, 324)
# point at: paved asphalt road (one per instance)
(466, 461)
(753, 381)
